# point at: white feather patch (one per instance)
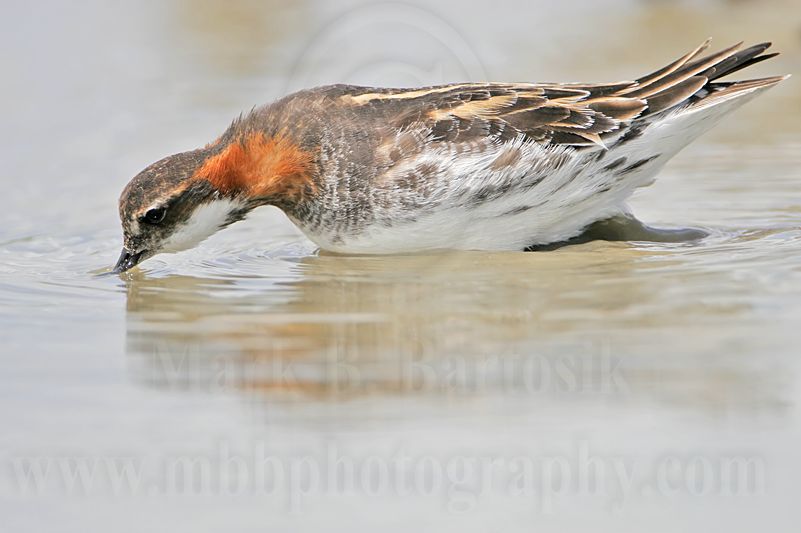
(204, 222)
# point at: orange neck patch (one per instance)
(261, 167)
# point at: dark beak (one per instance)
(127, 261)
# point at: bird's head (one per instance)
(179, 201)
(168, 208)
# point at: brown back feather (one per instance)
(570, 114)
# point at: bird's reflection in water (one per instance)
(598, 322)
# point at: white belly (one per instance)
(556, 209)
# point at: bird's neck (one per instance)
(261, 169)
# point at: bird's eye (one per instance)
(155, 216)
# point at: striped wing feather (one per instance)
(567, 114)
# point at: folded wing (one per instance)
(563, 114)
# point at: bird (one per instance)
(464, 166)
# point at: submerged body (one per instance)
(489, 166)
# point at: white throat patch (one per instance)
(204, 222)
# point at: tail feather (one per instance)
(706, 66)
(683, 102)
(677, 93)
(669, 69)
(748, 63)
(721, 91)
(692, 80)
(663, 136)
(685, 71)
(740, 60)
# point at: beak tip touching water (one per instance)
(127, 261)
